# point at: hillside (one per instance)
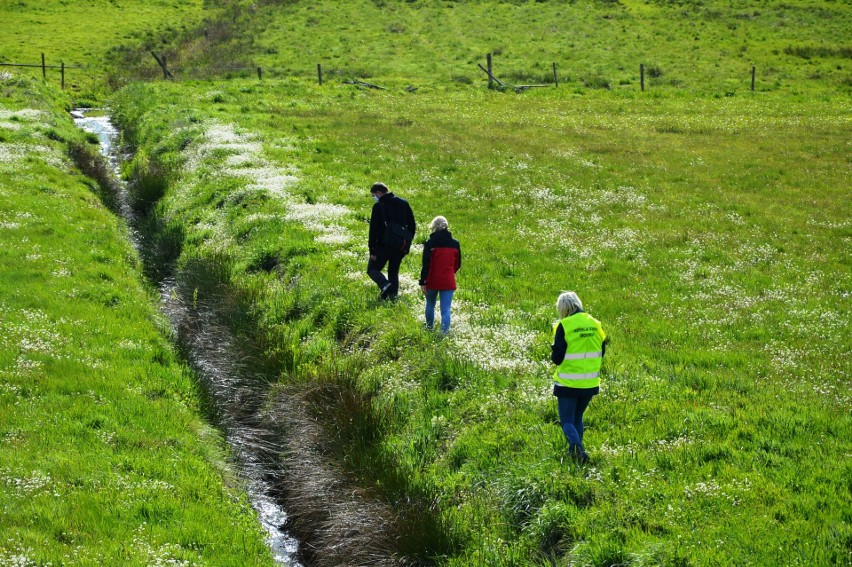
(706, 46)
(696, 47)
(83, 34)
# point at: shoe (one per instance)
(579, 455)
(385, 291)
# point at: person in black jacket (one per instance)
(388, 209)
(441, 261)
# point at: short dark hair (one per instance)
(379, 188)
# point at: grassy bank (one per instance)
(708, 234)
(104, 459)
(90, 38)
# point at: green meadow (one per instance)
(104, 458)
(707, 226)
(709, 235)
(707, 46)
(87, 36)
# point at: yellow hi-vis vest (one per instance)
(582, 365)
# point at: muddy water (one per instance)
(233, 393)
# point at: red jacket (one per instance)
(441, 261)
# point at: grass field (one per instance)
(709, 235)
(707, 46)
(706, 226)
(704, 47)
(81, 34)
(103, 457)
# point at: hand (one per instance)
(373, 257)
(423, 289)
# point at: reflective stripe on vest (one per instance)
(581, 355)
(579, 376)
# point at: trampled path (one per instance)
(491, 347)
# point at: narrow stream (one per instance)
(107, 134)
(231, 387)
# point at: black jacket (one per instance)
(396, 209)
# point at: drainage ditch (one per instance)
(233, 393)
(314, 512)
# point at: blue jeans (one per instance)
(571, 417)
(446, 301)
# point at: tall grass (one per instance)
(705, 225)
(701, 231)
(104, 458)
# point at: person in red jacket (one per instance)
(441, 261)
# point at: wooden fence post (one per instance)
(162, 63)
(490, 70)
(63, 76)
(43, 68)
(642, 76)
(490, 76)
(555, 77)
(752, 77)
(319, 72)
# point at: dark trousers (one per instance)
(571, 411)
(393, 260)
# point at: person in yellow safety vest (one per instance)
(579, 343)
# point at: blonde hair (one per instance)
(568, 303)
(438, 223)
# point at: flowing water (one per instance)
(234, 392)
(107, 134)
